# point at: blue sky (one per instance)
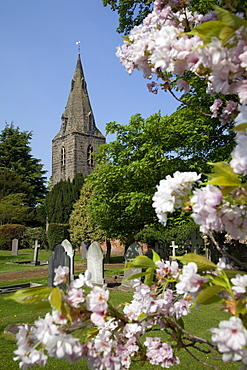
(38, 58)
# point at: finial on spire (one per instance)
(79, 46)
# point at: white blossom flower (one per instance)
(205, 213)
(231, 338)
(82, 280)
(97, 299)
(189, 280)
(172, 192)
(61, 275)
(239, 284)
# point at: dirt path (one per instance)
(41, 272)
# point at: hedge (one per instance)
(8, 233)
(57, 233)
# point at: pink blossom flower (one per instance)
(75, 297)
(234, 219)
(181, 308)
(172, 193)
(239, 284)
(189, 280)
(160, 353)
(241, 89)
(167, 268)
(221, 265)
(97, 299)
(215, 107)
(183, 85)
(231, 338)
(61, 275)
(205, 213)
(83, 280)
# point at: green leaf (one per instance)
(209, 295)
(55, 299)
(241, 127)
(223, 175)
(207, 30)
(223, 181)
(203, 263)
(31, 295)
(232, 273)
(137, 276)
(149, 277)
(219, 281)
(230, 19)
(140, 262)
(156, 257)
(225, 34)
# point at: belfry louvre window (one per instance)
(90, 155)
(63, 158)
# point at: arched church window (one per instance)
(63, 158)
(90, 155)
(90, 122)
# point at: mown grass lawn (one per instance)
(13, 313)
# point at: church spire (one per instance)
(78, 139)
(78, 114)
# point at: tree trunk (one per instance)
(108, 251)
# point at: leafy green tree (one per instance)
(13, 209)
(15, 156)
(144, 152)
(132, 12)
(82, 225)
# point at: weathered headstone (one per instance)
(196, 241)
(70, 252)
(174, 247)
(84, 248)
(15, 247)
(59, 257)
(95, 264)
(133, 251)
(36, 247)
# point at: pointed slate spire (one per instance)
(78, 115)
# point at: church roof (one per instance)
(78, 115)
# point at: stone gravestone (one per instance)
(95, 263)
(70, 252)
(36, 247)
(196, 241)
(174, 247)
(59, 257)
(133, 251)
(15, 247)
(84, 248)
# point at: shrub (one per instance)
(8, 233)
(56, 234)
(32, 234)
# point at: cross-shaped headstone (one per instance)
(174, 247)
(36, 247)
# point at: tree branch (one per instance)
(201, 362)
(242, 264)
(188, 104)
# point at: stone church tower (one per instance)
(78, 138)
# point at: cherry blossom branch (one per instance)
(191, 336)
(188, 104)
(224, 253)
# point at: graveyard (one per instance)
(13, 313)
(21, 269)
